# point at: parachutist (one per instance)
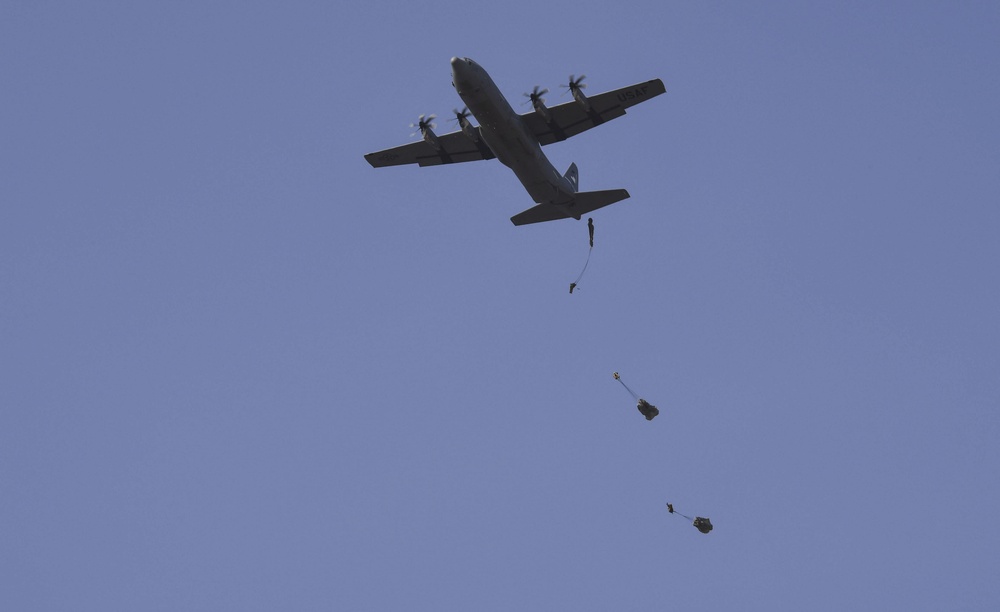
(701, 523)
(648, 410)
(590, 228)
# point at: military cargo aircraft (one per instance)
(517, 140)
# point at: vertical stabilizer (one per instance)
(573, 176)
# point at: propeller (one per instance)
(535, 95)
(576, 83)
(460, 115)
(423, 124)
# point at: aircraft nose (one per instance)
(458, 68)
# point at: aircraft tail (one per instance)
(583, 203)
(573, 176)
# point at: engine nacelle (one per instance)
(575, 87)
(430, 138)
(540, 108)
(579, 97)
(467, 129)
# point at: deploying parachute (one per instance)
(590, 228)
(648, 410)
(701, 523)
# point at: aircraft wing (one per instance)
(454, 147)
(571, 118)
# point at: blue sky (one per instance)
(244, 370)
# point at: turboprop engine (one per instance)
(576, 87)
(538, 103)
(426, 129)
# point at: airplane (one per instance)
(517, 140)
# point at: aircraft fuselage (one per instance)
(507, 136)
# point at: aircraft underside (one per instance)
(517, 140)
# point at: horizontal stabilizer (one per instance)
(583, 203)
